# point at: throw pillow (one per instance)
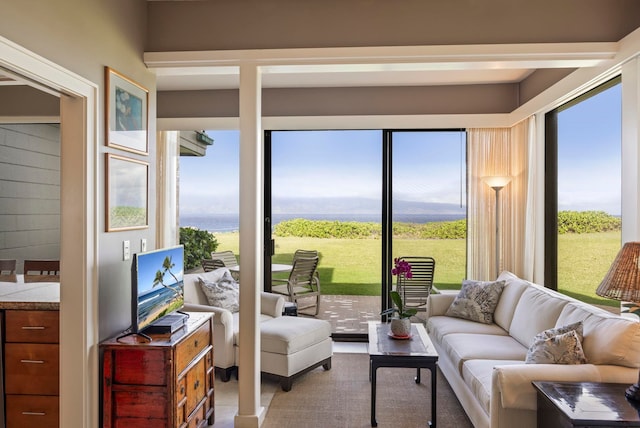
(576, 326)
(562, 348)
(477, 301)
(224, 293)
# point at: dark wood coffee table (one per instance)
(584, 404)
(416, 352)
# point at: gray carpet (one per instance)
(340, 397)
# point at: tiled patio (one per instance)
(349, 314)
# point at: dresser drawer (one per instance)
(32, 368)
(32, 411)
(32, 326)
(187, 350)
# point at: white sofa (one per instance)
(225, 323)
(485, 363)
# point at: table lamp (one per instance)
(622, 282)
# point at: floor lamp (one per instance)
(497, 183)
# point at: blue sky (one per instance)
(428, 166)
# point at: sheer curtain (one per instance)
(501, 152)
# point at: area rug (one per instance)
(341, 397)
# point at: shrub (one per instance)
(198, 245)
(369, 230)
(587, 222)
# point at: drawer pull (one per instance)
(195, 343)
(34, 413)
(32, 361)
(35, 327)
(196, 384)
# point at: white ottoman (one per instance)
(292, 346)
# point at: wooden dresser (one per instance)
(168, 382)
(31, 367)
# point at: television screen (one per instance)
(158, 287)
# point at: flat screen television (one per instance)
(157, 286)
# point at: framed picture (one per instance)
(127, 189)
(126, 110)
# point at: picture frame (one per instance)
(127, 189)
(126, 113)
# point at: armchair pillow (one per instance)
(223, 293)
(477, 301)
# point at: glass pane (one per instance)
(429, 201)
(326, 196)
(589, 193)
(209, 190)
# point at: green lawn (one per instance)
(352, 266)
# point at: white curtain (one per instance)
(501, 152)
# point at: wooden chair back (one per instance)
(41, 271)
(8, 270)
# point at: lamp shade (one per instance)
(622, 282)
(496, 181)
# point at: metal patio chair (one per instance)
(415, 291)
(300, 284)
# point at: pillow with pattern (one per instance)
(477, 300)
(564, 348)
(576, 326)
(224, 293)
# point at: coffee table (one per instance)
(418, 352)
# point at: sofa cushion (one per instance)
(608, 339)
(223, 293)
(462, 347)
(513, 289)
(563, 348)
(476, 301)
(288, 335)
(440, 326)
(536, 311)
(477, 374)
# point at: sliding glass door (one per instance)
(360, 198)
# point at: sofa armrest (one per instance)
(511, 384)
(220, 315)
(271, 304)
(439, 303)
(222, 333)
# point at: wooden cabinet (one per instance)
(168, 382)
(31, 367)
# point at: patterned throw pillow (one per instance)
(477, 301)
(224, 293)
(564, 348)
(576, 326)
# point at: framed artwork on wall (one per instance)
(127, 184)
(126, 111)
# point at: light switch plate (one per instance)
(143, 245)
(126, 250)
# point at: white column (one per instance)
(168, 161)
(630, 151)
(250, 414)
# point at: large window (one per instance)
(584, 158)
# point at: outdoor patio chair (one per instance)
(306, 254)
(227, 257)
(301, 283)
(41, 271)
(211, 264)
(415, 291)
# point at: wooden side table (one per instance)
(584, 404)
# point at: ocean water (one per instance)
(231, 222)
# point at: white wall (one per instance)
(29, 192)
